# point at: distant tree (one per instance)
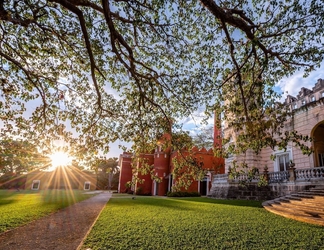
(106, 169)
(20, 156)
(115, 180)
(181, 140)
(204, 138)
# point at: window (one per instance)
(87, 185)
(321, 160)
(313, 99)
(295, 106)
(303, 102)
(35, 184)
(322, 94)
(283, 162)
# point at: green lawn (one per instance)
(197, 223)
(18, 208)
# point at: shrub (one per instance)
(183, 194)
(139, 191)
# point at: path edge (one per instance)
(88, 232)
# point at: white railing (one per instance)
(309, 174)
(220, 178)
(277, 177)
(247, 178)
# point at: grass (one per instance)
(197, 223)
(18, 208)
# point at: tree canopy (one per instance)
(91, 72)
(20, 156)
(106, 170)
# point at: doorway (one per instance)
(318, 143)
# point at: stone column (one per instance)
(292, 174)
(266, 175)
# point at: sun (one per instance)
(60, 158)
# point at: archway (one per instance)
(318, 144)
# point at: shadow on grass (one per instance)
(240, 203)
(172, 202)
(6, 202)
(9, 196)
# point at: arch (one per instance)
(318, 144)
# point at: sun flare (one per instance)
(60, 158)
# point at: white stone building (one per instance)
(308, 120)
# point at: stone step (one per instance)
(297, 211)
(313, 201)
(318, 187)
(300, 195)
(306, 206)
(308, 195)
(313, 193)
(307, 219)
(316, 192)
(292, 197)
(308, 209)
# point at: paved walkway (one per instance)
(63, 230)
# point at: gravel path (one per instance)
(63, 230)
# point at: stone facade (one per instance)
(307, 119)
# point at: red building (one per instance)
(160, 164)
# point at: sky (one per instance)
(293, 84)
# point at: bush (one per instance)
(139, 191)
(183, 194)
(129, 191)
(10, 180)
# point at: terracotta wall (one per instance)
(126, 174)
(61, 179)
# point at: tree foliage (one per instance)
(90, 72)
(106, 169)
(204, 138)
(20, 156)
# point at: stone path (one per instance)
(63, 230)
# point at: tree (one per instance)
(106, 169)
(204, 138)
(20, 156)
(165, 59)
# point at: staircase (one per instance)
(306, 206)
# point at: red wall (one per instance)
(146, 186)
(161, 170)
(126, 172)
(162, 165)
(210, 163)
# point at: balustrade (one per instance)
(221, 178)
(309, 173)
(277, 177)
